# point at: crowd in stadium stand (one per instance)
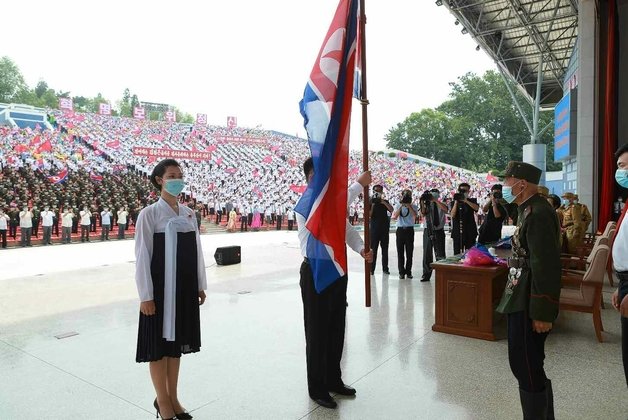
(88, 162)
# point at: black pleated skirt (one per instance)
(151, 346)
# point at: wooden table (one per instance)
(466, 298)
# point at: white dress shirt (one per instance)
(105, 217)
(86, 217)
(620, 247)
(67, 220)
(153, 219)
(122, 217)
(3, 221)
(46, 218)
(353, 238)
(26, 219)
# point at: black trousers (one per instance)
(380, 236)
(526, 352)
(3, 236)
(13, 230)
(290, 224)
(405, 244)
(243, 224)
(623, 291)
(85, 232)
(279, 219)
(324, 320)
(35, 227)
(218, 217)
(467, 242)
(434, 244)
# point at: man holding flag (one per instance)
(323, 228)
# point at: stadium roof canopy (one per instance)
(517, 33)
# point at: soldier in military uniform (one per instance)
(572, 221)
(586, 215)
(531, 296)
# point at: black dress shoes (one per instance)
(386, 272)
(325, 401)
(409, 275)
(423, 279)
(343, 389)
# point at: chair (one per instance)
(588, 297)
(578, 264)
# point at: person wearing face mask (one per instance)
(105, 217)
(464, 230)
(4, 224)
(171, 283)
(572, 220)
(380, 226)
(586, 216)
(122, 219)
(434, 212)
(531, 296)
(86, 221)
(26, 226)
(618, 206)
(46, 222)
(496, 213)
(620, 258)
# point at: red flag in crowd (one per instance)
(95, 177)
(44, 147)
(35, 141)
(115, 144)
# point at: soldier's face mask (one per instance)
(507, 193)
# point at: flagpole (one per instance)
(365, 154)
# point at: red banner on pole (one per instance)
(65, 103)
(232, 122)
(139, 113)
(104, 109)
(170, 116)
(201, 119)
(169, 153)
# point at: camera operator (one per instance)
(464, 229)
(405, 214)
(380, 226)
(496, 213)
(434, 212)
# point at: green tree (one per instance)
(12, 83)
(41, 88)
(478, 127)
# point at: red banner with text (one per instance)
(169, 153)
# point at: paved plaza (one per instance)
(252, 362)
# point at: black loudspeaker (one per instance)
(227, 255)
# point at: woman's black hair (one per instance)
(160, 170)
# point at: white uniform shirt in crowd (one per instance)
(620, 247)
(290, 215)
(352, 239)
(86, 217)
(153, 219)
(122, 216)
(3, 221)
(26, 219)
(46, 218)
(106, 217)
(66, 220)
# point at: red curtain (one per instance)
(610, 121)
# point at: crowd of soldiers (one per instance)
(25, 188)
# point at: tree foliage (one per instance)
(477, 128)
(13, 89)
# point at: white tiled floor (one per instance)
(252, 364)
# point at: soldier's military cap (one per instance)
(520, 170)
(568, 195)
(544, 191)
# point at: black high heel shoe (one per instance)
(184, 416)
(159, 414)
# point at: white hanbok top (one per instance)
(153, 219)
(161, 218)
